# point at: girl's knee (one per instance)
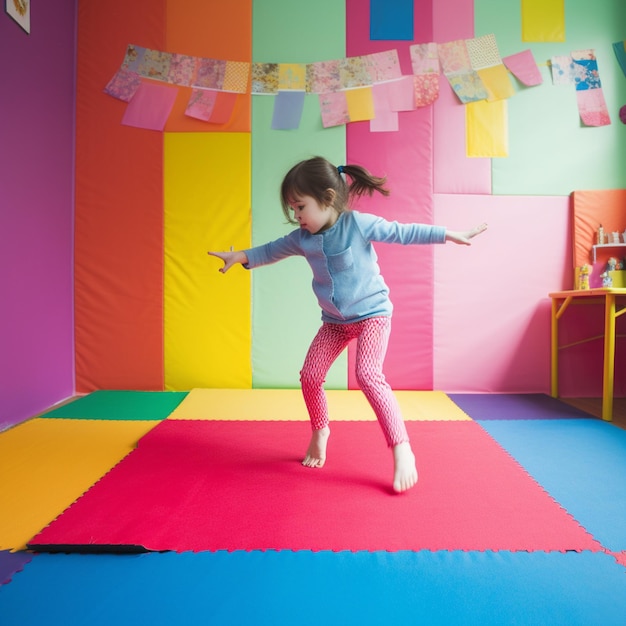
(368, 379)
(311, 379)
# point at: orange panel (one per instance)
(215, 30)
(119, 209)
(592, 208)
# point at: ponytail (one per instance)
(362, 181)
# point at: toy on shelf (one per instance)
(583, 277)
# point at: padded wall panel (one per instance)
(119, 223)
(453, 171)
(405, 157)
(493, 334)
(215, 30)
(206, 313)
(285, 314)
(606, 207)
(551, 152)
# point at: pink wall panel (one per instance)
(453, 171)
(492, 310)
(405, 157)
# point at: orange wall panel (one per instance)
(119, 209)
(215, 30)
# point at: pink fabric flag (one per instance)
(385, 120)
(150, 106)
(402, 94)
(523, 66)
(201, 104)
(592, 107)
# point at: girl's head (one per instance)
(322, 181)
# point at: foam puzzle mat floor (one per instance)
(517, 517)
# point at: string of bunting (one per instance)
(368, 87)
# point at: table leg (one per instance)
(554, 351)
(609, 358)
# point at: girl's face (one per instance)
(311, 215)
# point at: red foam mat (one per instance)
(202, 485)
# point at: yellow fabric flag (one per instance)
(360, 104)
(487, 128)
(497, 82)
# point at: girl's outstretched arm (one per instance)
(230, 258)
(465, 236)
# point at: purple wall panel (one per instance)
(36, 210)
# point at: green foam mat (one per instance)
(120, 405)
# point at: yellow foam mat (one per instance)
(47, 464)
(287, 404)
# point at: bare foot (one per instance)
(316, 453)
(405, 472)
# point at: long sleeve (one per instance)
(274, 251)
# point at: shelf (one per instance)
(606, 245)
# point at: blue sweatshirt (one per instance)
(346, 275)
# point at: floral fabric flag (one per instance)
(585, 67)
(123, 85)
(426, 87)
(265, 78)
(201, 103)
(334, 109)
(486, 61)
(354, 73)
(424, 58)
(383, 66)
(182, 70)
(133, 58)
(457, 68)
(210, 74)
(425, 64)
(155, 64)
(323, 77)
(562, 70)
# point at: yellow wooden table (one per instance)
(614, 305)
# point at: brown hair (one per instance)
(315, 177)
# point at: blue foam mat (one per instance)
(581, 463)
(324, 587)
(514, 406)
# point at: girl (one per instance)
(353, 296)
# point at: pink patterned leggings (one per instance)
(372, 337)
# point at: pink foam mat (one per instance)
(199, 485)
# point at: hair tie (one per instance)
(340, 169)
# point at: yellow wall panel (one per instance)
(207, 328)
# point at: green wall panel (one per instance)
(550, 151)
(285, 314)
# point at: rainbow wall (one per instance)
(152, 312)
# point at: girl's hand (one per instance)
(230, 258)
(464, 237)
